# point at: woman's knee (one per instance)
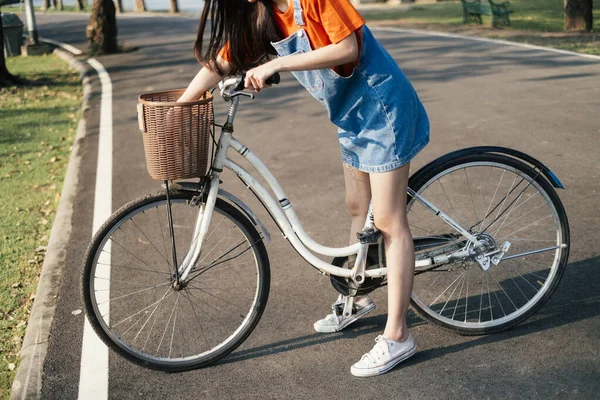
(393, 224)
(357, 206)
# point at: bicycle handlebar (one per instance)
(273, 80)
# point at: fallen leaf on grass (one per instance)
(11, 366)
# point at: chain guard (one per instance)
(348, 287)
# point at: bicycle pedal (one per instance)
(370, 236)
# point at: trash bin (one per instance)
(13, 34)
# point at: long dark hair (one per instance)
(247, 27)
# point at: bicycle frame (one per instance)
(284, 215)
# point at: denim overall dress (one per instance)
(381, 122)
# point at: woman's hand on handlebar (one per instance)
(256, 77)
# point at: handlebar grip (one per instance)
(273, 80)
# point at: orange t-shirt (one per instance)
(326, 22)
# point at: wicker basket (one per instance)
(176, 135)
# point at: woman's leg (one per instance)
(358, 198)
(389, 208)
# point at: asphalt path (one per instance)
(476, 93)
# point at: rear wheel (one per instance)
(498, 199)
(135, 308)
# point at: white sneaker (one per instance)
(384, 356)
(335, 321)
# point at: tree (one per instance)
(102, 28)
(173, 7)
(119, 5)
(578, 15)
(139, 6)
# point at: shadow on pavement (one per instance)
(576, 298)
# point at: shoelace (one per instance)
(376, 352)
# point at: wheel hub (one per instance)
(478, 254)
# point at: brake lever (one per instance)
(238, 90)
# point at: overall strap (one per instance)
(298, 18)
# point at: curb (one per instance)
(28, 379)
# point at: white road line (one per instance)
(482, 39)
(93, 379)
(71, 49)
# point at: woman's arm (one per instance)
(205, 79)
(345, 51)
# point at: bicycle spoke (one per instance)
(145, 323)
(197, 318)
(162, 234)
(165, 331)
(525, 227)
(143, 309)
(174, 324)
(522, 216)
(131, 294)
(156, 321)
(133, 255)
(471, 194)
(441, 294)
(219, 298)
(458, 296)
(487, 212)
(151, 242)
(135, 269)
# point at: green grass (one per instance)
(532, 21)
(532, 15)
(38, 124)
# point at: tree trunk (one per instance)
(46, 5)
(139, 6)
(578, 15)
(102, 28)
(80, 5)
(119, 6)
(173, 7)
(59, 5)
(6, 78)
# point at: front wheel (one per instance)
(135, 308)
(498, 199)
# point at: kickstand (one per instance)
(348, 305)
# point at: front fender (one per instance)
(240, 205)
(546, 172)
(230, 199)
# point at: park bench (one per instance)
(474, 9)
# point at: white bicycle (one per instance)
(178, 279)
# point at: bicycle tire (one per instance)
(527, 307)
(116, 339)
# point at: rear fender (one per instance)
(535, 163)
